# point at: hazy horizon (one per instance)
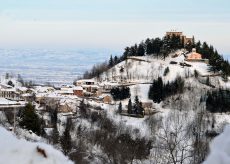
(113, 25)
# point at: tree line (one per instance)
(120, 93)
(218, 101)
(158, 91)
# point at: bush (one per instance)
(196, 74)
(10, 83)
(166, 71)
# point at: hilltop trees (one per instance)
(158, 47)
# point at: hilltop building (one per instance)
(183, 37)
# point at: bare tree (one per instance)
(173, 143)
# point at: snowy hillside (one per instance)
(178, 128)
(146, 68)
(20, 151)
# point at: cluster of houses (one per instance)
(64, 97)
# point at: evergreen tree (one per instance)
(136, 100)
(148, 47)
(42, 128)
(111, 61)
(141, 50)
(156, 46)
(126, 53)
(66, 142)
(135, 48)
(207, 81)
(54, 116)
(30, 120)
(83, 109)
(138, 109)
(130, 107)
(196, 74)
(115, 60)
(55, 135)
(189, 46)
(132, 51)
(120, 108)
(156, 90)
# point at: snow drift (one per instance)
(220, 149)
(20, 151)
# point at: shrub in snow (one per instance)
(166, 71)
(220, 149)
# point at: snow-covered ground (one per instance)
(146, 68)
(20, 151)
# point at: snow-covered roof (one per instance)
(92, 86)
(41, 89)
(78, 88)
(66, 90)
(4, 101)
(86, 80)
(108, 83)
(23, 89)
(8, 90)
(5, 86)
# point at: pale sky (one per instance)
(110, 24)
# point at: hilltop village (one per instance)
(98, 90)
